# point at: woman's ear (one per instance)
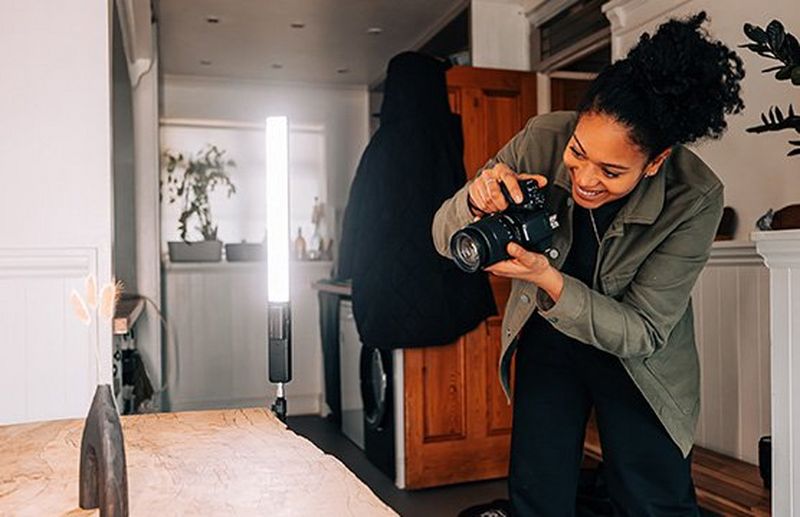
(655, 164)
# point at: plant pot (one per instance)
(103, 473)
(245, 252)
(202, 251)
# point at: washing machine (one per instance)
(372, 398)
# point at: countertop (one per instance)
(221, 462)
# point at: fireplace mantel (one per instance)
(781, 252)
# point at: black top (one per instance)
(404, 293)
(580, 262)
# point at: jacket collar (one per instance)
(645, 202)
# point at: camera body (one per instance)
(484, 242)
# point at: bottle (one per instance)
(316, 245)
(299, 245)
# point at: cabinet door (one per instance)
(458, 420)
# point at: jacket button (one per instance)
(553, 320)
(508, 332)
(525, 298)
(553, 253)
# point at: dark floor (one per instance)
(443, 501)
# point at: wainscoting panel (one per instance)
(47, 357)
(216, 357)
(731, 307)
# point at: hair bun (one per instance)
(678, 78)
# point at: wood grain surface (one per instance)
(223, 462)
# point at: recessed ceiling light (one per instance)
(342, 70)
(374, 31)
(297, 25)
(212, 19)
(277, 66)
(205, 62)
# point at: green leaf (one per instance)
(784, 73)
(776, 34)
(755, 33)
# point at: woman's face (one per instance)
(603, 162)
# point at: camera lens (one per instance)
(467, 251)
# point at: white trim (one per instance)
(48, 262)
(780, 248)
(579, 76)
(234, 124)
(781, 251)
(399, 419)
(137, 37)
(630, 15)
(545, 11)
(193, 80)
(734, 253)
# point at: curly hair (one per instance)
(674, 87)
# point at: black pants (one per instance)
(555, 388)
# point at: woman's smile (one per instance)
(588, 194)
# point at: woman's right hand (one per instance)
(485, 194)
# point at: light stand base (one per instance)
(279, 352)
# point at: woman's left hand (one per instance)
(531, 267)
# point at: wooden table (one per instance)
(223, 462)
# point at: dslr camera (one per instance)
(484, 242)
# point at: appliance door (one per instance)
(376, 374)
(349, 354)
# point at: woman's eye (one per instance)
(577, 153)
(610, 174)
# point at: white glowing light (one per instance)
(277, 142)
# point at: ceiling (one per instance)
(254, 39)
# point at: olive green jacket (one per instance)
(639, 308)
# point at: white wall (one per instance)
(756, 172)
(340, 112)
(499, 34)
(55, 204)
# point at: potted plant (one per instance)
(775, 43)
(189, 180)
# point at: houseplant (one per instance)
(189, 180)
(773, 42)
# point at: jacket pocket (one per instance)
(676, 370)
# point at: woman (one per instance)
(605, 322)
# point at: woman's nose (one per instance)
(586, 177)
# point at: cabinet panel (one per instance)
(502, 113)
(444, 392)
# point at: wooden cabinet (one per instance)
(457, 418)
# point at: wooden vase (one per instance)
(103, 474)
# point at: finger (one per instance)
(528, 259)
(508, 268)
(478, 194)
(510, 180)
(496, 195)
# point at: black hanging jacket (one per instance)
(404, 293)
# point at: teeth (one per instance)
(588, 193)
